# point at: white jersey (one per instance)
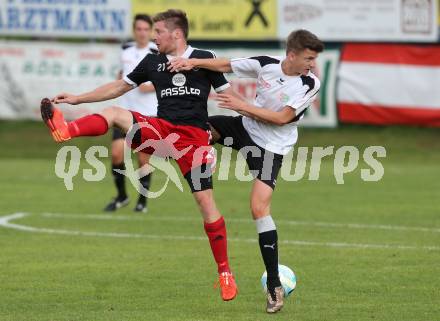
(275, 90)
(135, 100)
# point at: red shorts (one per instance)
(188, 145)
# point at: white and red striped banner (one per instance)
(389, 84)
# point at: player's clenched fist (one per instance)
(65, 98)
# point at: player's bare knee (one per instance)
(143, 159)
(203, 199)
(117, 157)
(117, 151)
(258, 208)
(119, 117)
(110, 113)
(206, 202)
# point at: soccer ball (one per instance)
(287, 278)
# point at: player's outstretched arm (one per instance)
(147, 87)
(105, 92)
(214, 64)
(232, 102)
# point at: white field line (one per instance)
(5, 222)
(238, 220)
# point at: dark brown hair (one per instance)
(142, 17)
(301, 40)
(174, 19)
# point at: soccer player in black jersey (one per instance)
(182, 113)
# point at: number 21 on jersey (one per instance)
(161, 67)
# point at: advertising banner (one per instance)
(221, 19)
(60, 18)
(376, 20)
(30, 71)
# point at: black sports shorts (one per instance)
(118, 134)
(262, 163)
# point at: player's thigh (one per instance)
(261, 198)
(146, 134)
(192, 149)
(263, 164)
(118, 116)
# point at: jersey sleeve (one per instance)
(218, 79)
(250, 67)
(139, 74)
(246, 67)
(305, 96)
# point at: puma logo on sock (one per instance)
(270, 246)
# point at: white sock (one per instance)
(265, 224)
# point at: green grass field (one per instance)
(361, 250)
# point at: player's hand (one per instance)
(65, 98)
(179, 64)
(230, 102)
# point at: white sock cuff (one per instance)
(265, 224)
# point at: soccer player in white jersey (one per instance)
(141, 99)
(286, 87)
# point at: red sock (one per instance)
(216, 232)
(91, 125)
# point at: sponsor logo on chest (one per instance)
(179, 80)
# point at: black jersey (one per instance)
(182, 97)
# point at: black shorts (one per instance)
(117, 134)
(262, 163)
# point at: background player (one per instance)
(182, 110)
(141, 99)
(285, 89)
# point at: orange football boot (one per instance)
(228, 287)
(54, 119)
